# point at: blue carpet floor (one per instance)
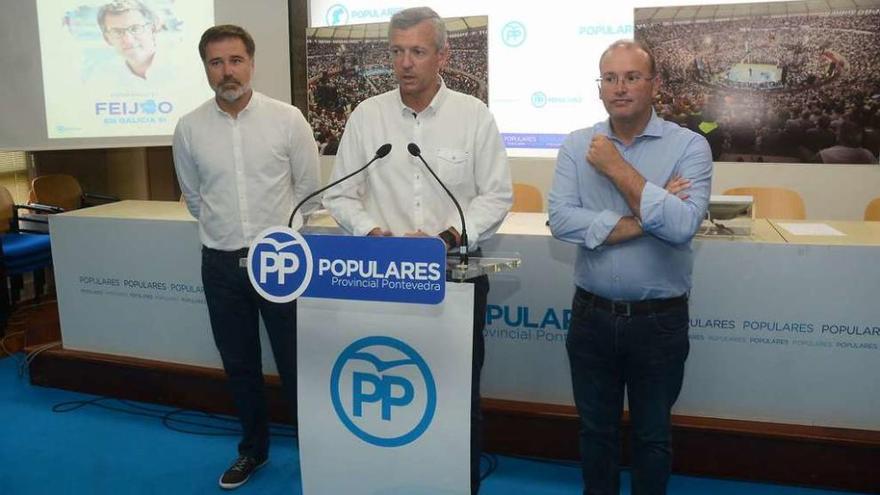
(94, 450)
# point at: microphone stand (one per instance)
(382, 152)
(415, 151)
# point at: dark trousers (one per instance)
(481, 293)
(644, 354)
(234, 308)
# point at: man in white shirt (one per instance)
(457, 135)
(243, 160)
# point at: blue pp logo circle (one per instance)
(279, 264)
(383, 391)
(539, 99)
(513, 34)
(336, 15)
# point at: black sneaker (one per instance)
(240, 471)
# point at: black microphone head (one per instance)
(413, 149)
(383, 150)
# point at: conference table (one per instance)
(784, 325)
(834, 232)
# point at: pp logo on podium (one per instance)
(383, 391)
(279, 264)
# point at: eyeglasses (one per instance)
(134, 30)
(629, 79)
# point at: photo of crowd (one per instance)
(800, 85)
(342, 71)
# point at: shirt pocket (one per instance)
(453, 165)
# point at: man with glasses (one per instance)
(629, 326)
(130, 28)
(457, 135)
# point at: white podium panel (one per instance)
(384, 395)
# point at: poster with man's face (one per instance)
(123, 67)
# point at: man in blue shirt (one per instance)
(631, 192)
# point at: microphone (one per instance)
(414, 150)
(382, 152)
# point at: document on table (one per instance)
(816, 229)
(521, 223)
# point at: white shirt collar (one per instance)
(253, 103)
(436, 102)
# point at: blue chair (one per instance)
(21, 252)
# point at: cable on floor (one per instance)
(186, 421)
(491, 461)
(36, 351)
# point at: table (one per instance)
(854, 233)
(782, 330)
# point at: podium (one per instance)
(383, 385)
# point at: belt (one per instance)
(239, 254)
(632, 308)
(223, 252)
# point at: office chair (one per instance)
(527, 198)
(773, 202)
(872, 211)
(21, 251)
(64, 191)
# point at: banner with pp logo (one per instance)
(380, 377)
(279, 264)
(385, 384)
(284, 265)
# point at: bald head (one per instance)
(637, 46)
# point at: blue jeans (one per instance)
(644, 354)
(234, 308)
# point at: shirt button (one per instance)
(617, 278)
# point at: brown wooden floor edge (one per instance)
(790, 454)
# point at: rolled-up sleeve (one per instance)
(570, 219)
(668, 217)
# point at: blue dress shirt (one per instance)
(585, 206)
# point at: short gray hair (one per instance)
(407, 18)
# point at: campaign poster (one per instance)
(121, 68)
